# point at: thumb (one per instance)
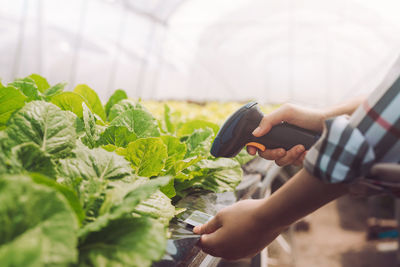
(208, 227)
(268, 121)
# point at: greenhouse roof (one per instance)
(311, 51)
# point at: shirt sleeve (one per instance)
(349, 146)
(341, 154)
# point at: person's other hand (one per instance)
(311, 119)
(237, 231)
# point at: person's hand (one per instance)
(237, 231)
(307, 118)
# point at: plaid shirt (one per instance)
(349, 146)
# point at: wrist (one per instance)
(346, 108)
(270, 215)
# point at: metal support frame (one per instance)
(145, 60)
(39, 33)
(117, 49)
(78, 41)
(275, 172)
(21, 39)
(154, 23)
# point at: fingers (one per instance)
(274, 118)
(251, 150)
(272, 154)
(209, 240)
(300, 159)
(209, 236)
(293, 155)
(213, 244)
(282, 157)
(264, 126)
(208, 227)
(269, 154)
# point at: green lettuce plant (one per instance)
(82, 184)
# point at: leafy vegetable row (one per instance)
(91, 185)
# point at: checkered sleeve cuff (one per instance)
(342, 154)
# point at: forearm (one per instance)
(248, 226)
(347, 107)
(300, 196)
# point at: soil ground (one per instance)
(337, 238)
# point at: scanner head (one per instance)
(237, 131)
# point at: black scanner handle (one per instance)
(286, 136)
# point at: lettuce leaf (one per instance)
(28, 87)
(124, 207)
(91, 132)
(54, 90)
(219, 175)
(120, 107)
(88, 173)
(44, 124)
(69, 101)
(67, 192)
(41, 82)
(176, 150)
(169, 189)
(169, 126)
(9, 163)
(11, 99)
(5, 166)
(92, 100)
(157, 206)
(109, 147)
(182, 168)
(135, 117)
(190, 126)
(38, 227)
(44, 87)
(124, 242)
(119, 136)
(176, 162)
(33, 159)
(114, 99)
(94, 164)
(139, 121)
(147, 156)
(199, 143)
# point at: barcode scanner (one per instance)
(237, 133)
